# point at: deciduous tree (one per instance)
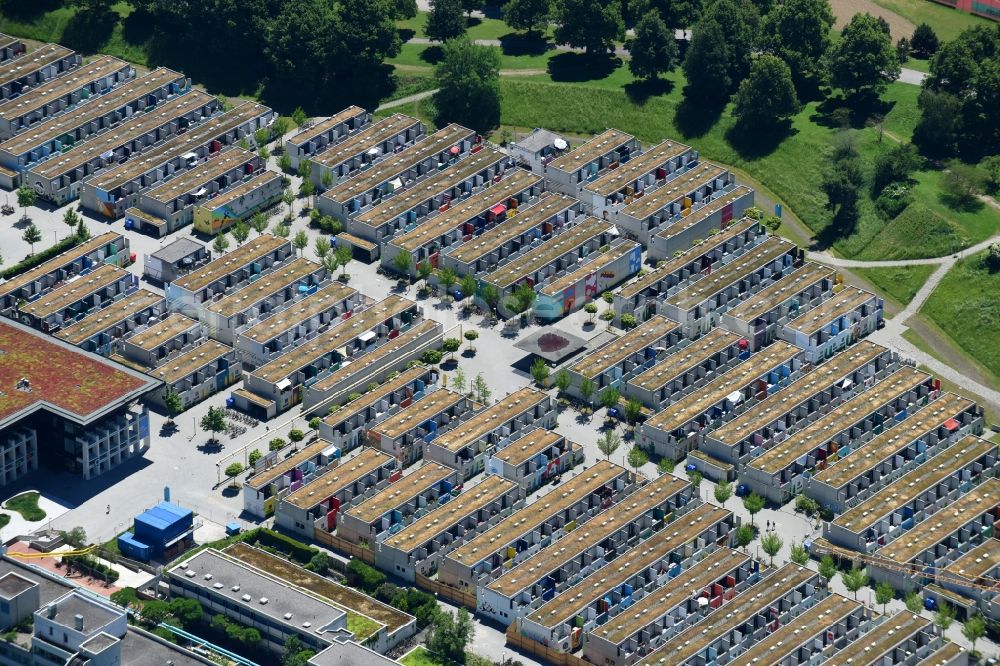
(766, 98)
(445, 20)
(798, 32)
(530, 15)
(924, 42)
(593, 25)
(653, 50)
(468, 81)
(864, 59)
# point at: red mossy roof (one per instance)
(66, 378)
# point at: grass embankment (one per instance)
(899, 283)
(421, 656)
(966, 307)
(26, 504)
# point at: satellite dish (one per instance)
(560, 144)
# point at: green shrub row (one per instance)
(41, 257)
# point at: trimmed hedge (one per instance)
(91, 566)
(41, 257)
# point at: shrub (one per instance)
(363, 576)
(806, 505)
(432, 356)
(893, 200)
(296, 550)
(276, 444)
(296, 435)
(41, 257)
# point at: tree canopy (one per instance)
(468, 79)
(593, 25)
(446, 20)
(767, 96)
(864, 60)
(653, 49)
(798, 32)
(530, 15)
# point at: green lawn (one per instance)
(361, 626)
(485, 28)
(899, 283)
(918, 64)
(26, 504)
(966, 307)
(421, 656)
(427, 55)
(947, 22)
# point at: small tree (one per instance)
(694, 476)
(944, 616)
(70, 217)
(282, 230)
(467, 283)
(214, 421)
(913, 602)
(974, 629)
(76, 537)
(855, 579)
(666, 466)
(154, 612)
(610, 397)
(447, 277)
(233, 471)
(628, 321)
(587, 388)
(591, 309)
(884, 593)
(321, 247)
(799, 554)
(490, 295)
(280, 128)
(424, 272)
(82, 232)
(608, 443)
(771, 543)
(767, 96)
(827, 568)
(924, 42)
(723, 491)
(472, 335)
(633, 410)
(31, 236)
(743, 536)
(451, 345)
(295, 435)
(637, 458)
(26, 197)
(220, 244)
(276, 444)
(402, 262)
(285, 164)
(326, 180)
(288, 199)
(301, 241)
(753, 503)
(540, 371)
(306, 189)
(299, 116)
(240, 232)
(254, 457)
(172, 401)
(345, 254)
(449, 635)
(562, 380)
(315, 422)
(481, 388)
(458, 381)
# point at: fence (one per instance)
(452, 594)
(341, 544)
(516, 640)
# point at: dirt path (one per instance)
(845, 9)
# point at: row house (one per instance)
(118, 187)
(760, 318)
(80, 124)
(904, 638)
(517, 537)
(639, 348)
(11, 47)
(274, 474)
(76, 298)
(928, 432)
(315, 137)
(464, 220)
(275, 331)
(36, 66)
(577, 284)
(814, 393)
(285, 283)
(172, 202)
(698, 305)
(202, 371)
(227, 273)
(539, 147)
(669, 206)
(405, 344)
(534, 458)
(62, 94)
(540, 261)
(388, 511)
(849, 315)
(748, 618)
(651, 619)
(403, 432)
(676, 431)
(346, 425)
(824, 628)
(419, 547)
(467, 444)
(397, 171)
(717, 213)
(314, 498)
(781, 472)
(427, 196)
(683, 368)
(527, 225)
(949, 654)
(280, 383)
(964, 576)
(912, 498)
(177, 258)
(361, 149)
(160, 341)
(111, 247)
(642, 297)
(570, 172)
(102, 331)
(60, 178)
(569, 619)
(645, 172)
(217, 212)
(940, 539)
(553, 570)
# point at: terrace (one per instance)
(35, 67)
(640, 172)
(96, 331)
(728, 205)
(403, 432)
(569, 172)
(637, 348)
(533, 458)
(315, 137)
(77, 297)
(896, 638)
